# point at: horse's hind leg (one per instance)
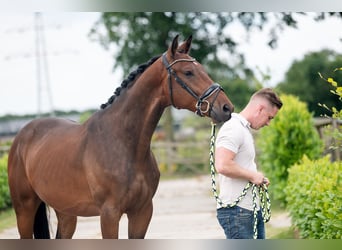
(26, 203)
(24, 199)
(66, 226)
(25, 212)
(138, 221)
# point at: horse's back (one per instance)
(35, 134)
(38, 128)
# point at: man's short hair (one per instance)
(270, 96)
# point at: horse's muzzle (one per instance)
(222, 113)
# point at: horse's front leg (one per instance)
(110, 218)
(138, 221)
(66, 226)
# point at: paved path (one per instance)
(183, 209)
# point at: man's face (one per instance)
(264, 116)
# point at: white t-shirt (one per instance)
(235, 136)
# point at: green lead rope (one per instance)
(265, 201)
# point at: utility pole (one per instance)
(42, 69)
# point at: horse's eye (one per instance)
(188, 73)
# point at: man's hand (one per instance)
(258, 178)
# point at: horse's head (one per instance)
(190, 87)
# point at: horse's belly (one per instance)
(80, 209)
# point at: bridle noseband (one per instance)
(214, 88)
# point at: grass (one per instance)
(7, 219)
(284, 234)
(279, 232)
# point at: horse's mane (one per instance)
(132, 77)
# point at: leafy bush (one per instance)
(336, 113)
(5, 200)
(314, 198)
(290, 135)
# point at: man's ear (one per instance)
(261, 107)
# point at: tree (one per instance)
(302, 80)
(142, 35)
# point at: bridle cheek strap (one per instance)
(202, 106)
(214, 88)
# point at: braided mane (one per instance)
(132, 77)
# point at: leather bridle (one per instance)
(214, 88)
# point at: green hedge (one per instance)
(5, 200)
(314, 198)
(290, 136)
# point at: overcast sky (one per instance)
(80, 71)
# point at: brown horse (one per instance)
(105, 166)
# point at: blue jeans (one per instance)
(238, 222)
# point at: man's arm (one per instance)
(225, 165)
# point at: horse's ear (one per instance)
(174, 46)
(185, 46)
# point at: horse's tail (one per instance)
(41, 223)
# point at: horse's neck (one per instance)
(135, 114)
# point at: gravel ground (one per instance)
(183, 209)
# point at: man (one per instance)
(235, 163)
